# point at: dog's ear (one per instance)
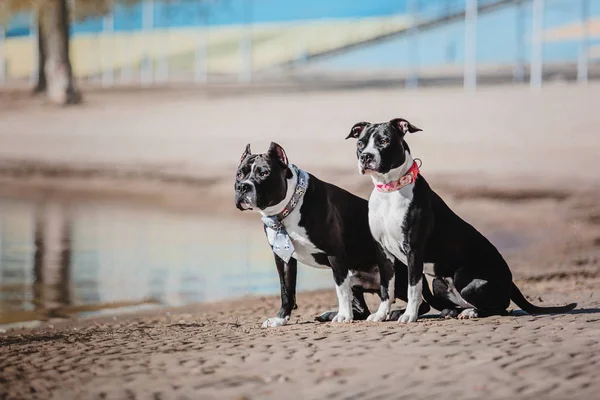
(277, 152)
(356, 130)
(246, 153)
(404, 126)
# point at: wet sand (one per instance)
(549, 223)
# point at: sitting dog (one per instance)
(412, 224)
(316, 223)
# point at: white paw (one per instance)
(468, 314)
(377, 317)
(408, 317)
(273, 322)
(342, 317)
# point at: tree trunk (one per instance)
(41, 85)
(57, 66)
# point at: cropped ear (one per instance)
(276, 151)
(404, 126)
(246, 153)
(356, 130)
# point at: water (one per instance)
(59, 259)
(72, 259)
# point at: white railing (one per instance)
(153, 62)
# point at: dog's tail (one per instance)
(520, 300)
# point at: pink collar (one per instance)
(407, 179)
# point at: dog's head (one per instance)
(261, 179)
(381, 147)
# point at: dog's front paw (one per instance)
(276, 321)
(343, 317)
(408, 317)
(377, 317)
(468, 313)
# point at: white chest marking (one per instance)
(304, 248)
(387, 215)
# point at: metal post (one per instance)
(201, 57)
(413, 42)
(584, 51)
(246, 46)
(147, 65)
(470, 72)
(108, 28)
(162, 68)
(519, 71)
(201, 54)
(3, 72)
(162, 65)
(537, 42)
(126, 71)
(126, 75)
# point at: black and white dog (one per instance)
(411, 223)
(316, 223)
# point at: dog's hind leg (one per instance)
(396, 314)
(443, 293)
(327, 316)
(451, 312)
(359, 307)
(486, 298)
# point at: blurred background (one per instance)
(125, 199)
(151, 42)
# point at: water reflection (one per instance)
(52, 258)
(59, 259)
(62, 259)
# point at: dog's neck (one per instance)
(394, 174)
(278, 208)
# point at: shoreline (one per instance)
(510, 217)
(150, 309)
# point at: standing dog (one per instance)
(316, 223)
(411, 223)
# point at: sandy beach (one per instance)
(520, 166)
(220, 351)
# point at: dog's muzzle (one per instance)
(366, 162)
(243, 204)
(245, 198)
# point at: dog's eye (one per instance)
(361, 145)
(240, 175)
(263, 173)
(384, 141)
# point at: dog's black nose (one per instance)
(366, 157)
(243, 187)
